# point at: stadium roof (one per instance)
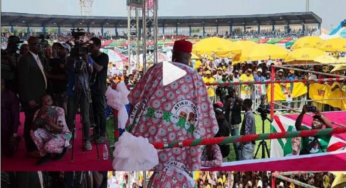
(38, 20)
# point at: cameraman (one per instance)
(233, 108)
(78, 94)
(98, 89)
(316, 144)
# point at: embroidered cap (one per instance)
(182, 46)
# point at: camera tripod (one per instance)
(263, 143)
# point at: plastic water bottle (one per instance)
(105, 152)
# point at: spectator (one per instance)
(233, 107)
(316, 144)
(248, 127)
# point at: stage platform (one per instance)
(83, 161)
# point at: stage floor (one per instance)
(86, 161)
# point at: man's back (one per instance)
(178, 111)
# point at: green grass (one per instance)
(231, 157)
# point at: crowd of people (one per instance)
(203, 179)
(260, 179)
(50, 83)
(71, 179)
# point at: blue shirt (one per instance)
(259, 78)
(291, 78)
(71, 78)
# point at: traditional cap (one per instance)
(281, 70)
(208, 72)
(219, 68)
(182, 46)
(219, 104)
(292, 71)
(259, 70)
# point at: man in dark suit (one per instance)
(32, 85)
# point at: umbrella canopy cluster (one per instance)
(330, 45)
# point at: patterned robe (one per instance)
(179, 111)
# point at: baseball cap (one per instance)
(208, 72)
(259, 70)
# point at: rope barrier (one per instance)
(293, 181)
(248, 138)
(335, 123)
(279, 81)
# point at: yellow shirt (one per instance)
(211, 80)
(198, 64)
(245, 89)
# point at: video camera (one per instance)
(80, 48)
(263, 109)
(311, 108)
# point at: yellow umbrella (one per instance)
(334, 45)
(246, 47)
(339, 68)
(340, 178)
(325, 59)
(216, 46)
(307, 42)
(266, 52)
(304, 54)
(194, 56)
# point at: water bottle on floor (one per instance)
(105, 152)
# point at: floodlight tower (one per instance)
(86, 7)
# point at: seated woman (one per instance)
(50, 132)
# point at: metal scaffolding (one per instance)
(149, 32)
(133, 37)
(86, 7)
(149, 19)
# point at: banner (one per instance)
(324, 91)
(283, 91)
(292, 146)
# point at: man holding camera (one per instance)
(98, 89)
(316, 144)
(78, 93)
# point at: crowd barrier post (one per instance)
(272, 92)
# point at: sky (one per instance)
(332, 12)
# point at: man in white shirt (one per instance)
(32, 85)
